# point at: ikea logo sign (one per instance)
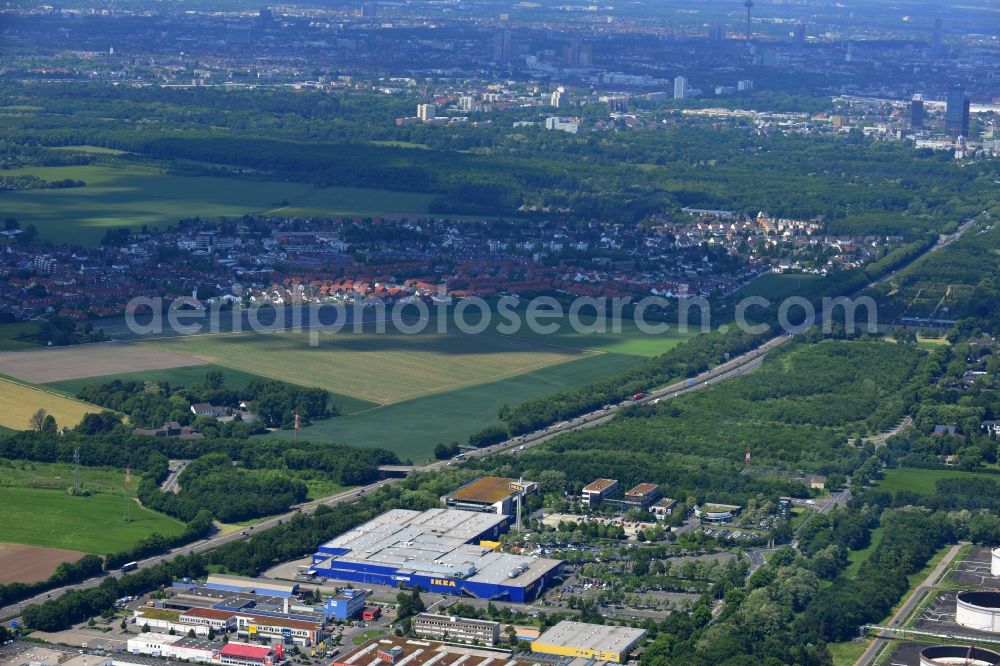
(443, 582)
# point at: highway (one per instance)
(734, 367)
(170, 484)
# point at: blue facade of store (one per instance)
(373, 574)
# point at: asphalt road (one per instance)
(170, 484)
(735, 367)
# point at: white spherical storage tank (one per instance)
(978, 610)
(995, 562)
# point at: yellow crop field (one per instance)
(18, 402)
(381, 368)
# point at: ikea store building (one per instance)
(447, 551)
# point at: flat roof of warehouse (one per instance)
(431, 653)
(488, 489)
(403, 526)
(435, 542)
(591, 636)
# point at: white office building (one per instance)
(680, 87)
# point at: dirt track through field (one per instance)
(92, 360)
(29, 564)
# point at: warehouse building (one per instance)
(453, 628)
(395, 650)
(490, 494)
(244, 585)
(600, 489)
(186, 596)
(245, 654)
(439, 550)
(589, 641)
(203, 651)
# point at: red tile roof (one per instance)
(245, 651)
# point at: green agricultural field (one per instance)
(90, 150)
(183, 376)
(600, 336)
(51, 518)
(138, 195)
(412, 428)
(29, 474)
(778, 285)
(379, 368)
(17, 335)
(922, 480)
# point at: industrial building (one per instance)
(172, 647)
(219, 621)
(244, 654)
(280, 629)
(200, 650)
(490, 494)
(452, 628)
(596, 492)
(589, 641)
(244, 621)
(347, 603)
(395, 650)
(439, 550)
(978, 610)
(227, 583)
(185, 596)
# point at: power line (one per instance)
(76, 470)
(127, 513)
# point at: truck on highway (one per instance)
(129, 566)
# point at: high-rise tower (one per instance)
(749, 5)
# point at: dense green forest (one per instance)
(151, 404)
(856, 185)
(796, 413)
(961, 281)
